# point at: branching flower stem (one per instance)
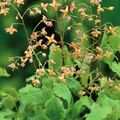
(27, 36)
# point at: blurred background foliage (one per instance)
(16, 45)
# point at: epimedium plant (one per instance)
(71, 84)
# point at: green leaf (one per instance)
(6, 114)
(114, 105)
(79, 64)
(115, 67)
(54, 109)
(48, 81)
(83, 101)
(30, 96)
(9, 97)
(3, 73)
(104, 40)
(9, 91)
(105, 108)
(56, 56)
(85, 75)
(84, 78)
(112, 40)
(30, 78)
(99, 113)
(47, 93)
(62, 91)
(111, 92)
(103, 82)
(83, 104)
(67, 57)
(107, 44)
(39, 115)
(73, 85)
(9, 102)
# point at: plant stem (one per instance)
(22, 22)
(25, 28)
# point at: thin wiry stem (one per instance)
(25, 28)
(29, 8)
(22, 22)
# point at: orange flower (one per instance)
(4, 11)
(34, 36)
(62, 78)
(75, 45)
(72, 7)
(44, 6)
(44, 19)
(100, 53)
(32, 13)
(99, 9)
(112, 30)
(95, 2)
(37, 10)
(20, 2)
(2, 4)
(52, 72)
(13, 66)
(11, 30)
(68, 71)
(99, 50)
(43, 31)
(84, 37)
(95, 33)
(55, 4)
(35, 82)
(52, 62)
(51, 39)
(64, 11)
(48, 23)
(77, 53)
(108, 54)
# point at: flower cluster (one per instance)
(28, 55)
(83, 50)
(66, 72)
(76, 50)
(4, 8)
(101, 53)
